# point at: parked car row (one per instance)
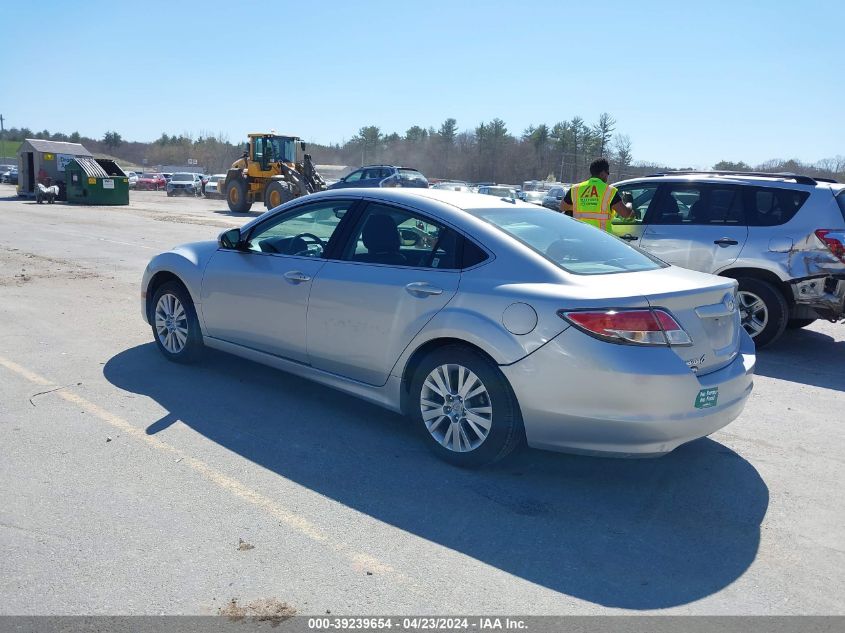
(9, 174)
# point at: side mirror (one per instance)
(302, 145)
(230, 239)
(339, 212)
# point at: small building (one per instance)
(39, 160)
(96, 181)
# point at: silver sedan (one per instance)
(487, 322)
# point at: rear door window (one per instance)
(771, 206)
(391, 236)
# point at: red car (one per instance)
(151, 182)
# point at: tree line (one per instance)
(488, 151)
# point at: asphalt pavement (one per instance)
(130, 485)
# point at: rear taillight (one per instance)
(632, 327)
(834, 239)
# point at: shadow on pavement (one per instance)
(805, 356)
(636, 534)
(248, 215)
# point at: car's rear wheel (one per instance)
(465, 407)
(797, 324)
(763, 310)
(175, 325)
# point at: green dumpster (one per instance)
(96, 181)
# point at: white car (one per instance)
(212, 189)
(133, 179)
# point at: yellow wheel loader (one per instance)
(273, 169)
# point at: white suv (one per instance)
(782, 236)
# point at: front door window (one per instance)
(305, 232)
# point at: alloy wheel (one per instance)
(171, 322)
(456, 408)
(753, 312)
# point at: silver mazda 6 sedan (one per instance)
(488, 322)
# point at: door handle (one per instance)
(725, 242)
(629, 237)
(296, 276)
(422, 289)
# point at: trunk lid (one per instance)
(704, 305)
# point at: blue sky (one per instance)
(690, 83)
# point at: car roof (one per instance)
(737, 178)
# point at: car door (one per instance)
(372, 177)
(257, 296)
(639, 195)
(700, 226)
(397, 270)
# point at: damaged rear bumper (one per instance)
(822, 296)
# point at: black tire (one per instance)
(193, 346)
(169, 194)
(279, 190)
(776, 308)
(506, 430)
(236, 196)
(797, 324)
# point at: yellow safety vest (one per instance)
(591, 203)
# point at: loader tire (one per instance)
(277, 193)
(236, 196)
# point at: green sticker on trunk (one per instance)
(707, 398)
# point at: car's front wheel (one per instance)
(763, 310)
(465, 407)
(175, 325)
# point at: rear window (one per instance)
(574, 246)
(410, 174)
(841, 200)
(771, 206)
(183, 177)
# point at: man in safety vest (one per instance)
(594, 201)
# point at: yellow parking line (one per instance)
(359, 560)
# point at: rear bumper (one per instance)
(578, 394)
(824, 295)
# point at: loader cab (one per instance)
(266, 149)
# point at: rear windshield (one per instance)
(183, 177)
(574, 246)
(410, 174)
(841, 200)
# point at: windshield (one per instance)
(534, 195)
(183, 177)
(574, 246)
(279, 148)
(151, 176)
